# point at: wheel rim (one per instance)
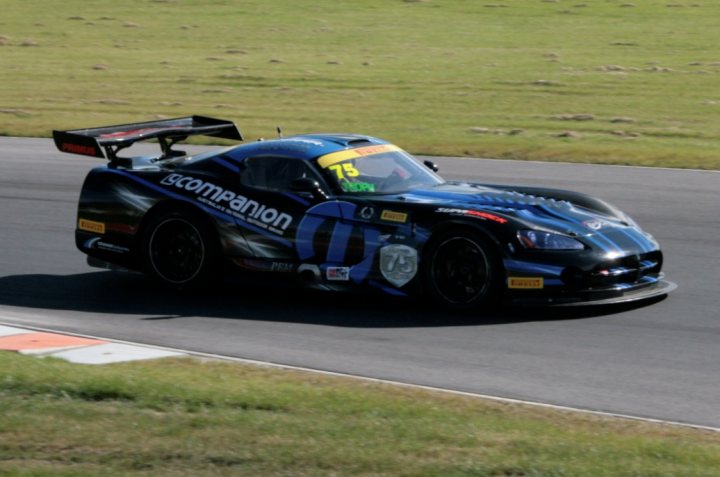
(176, 251)
(460, 270)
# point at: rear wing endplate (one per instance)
(106, 141)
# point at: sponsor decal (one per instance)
(308, 142)
(595, 224)
(340, 156)
(473, 213)
(78, 149)
(111, 247)
(398, 263)
(95, 243)
(526, 283)
(338, 274)
(367, 212)
(357, 186)
(264, 265)
(136, 132)
(392, 216)
(282, 267)
(91, 226)
(229, 202)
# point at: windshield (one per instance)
(376, 169)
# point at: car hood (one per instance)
(536, 211)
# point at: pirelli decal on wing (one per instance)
(229, 202)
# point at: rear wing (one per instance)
(168, 132)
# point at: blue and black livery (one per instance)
(346, 211)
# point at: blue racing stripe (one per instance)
(339, 242)
(387, 289)
(595, 237)
(226, 164)
(542, 219)
(639, 238)
(305, 236)
(530, 267)
(296, 198)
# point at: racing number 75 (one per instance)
(342, 170)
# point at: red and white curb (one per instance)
(76, 349)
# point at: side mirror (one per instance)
(309, 186)
(431, 165)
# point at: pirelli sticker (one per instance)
(526, 283)
(392, 216)
(91, 226)
(334, 157)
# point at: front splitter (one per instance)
(661, 288)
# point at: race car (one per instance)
(347, 211)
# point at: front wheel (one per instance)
(179, 250)
(462, 271)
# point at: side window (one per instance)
(274, 173)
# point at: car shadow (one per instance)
(118, 293)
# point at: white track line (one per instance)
(383, 381)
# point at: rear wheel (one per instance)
(462, 270)
(179, 249)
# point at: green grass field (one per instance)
(188, 417)
(607, 81)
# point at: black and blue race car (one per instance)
(346, 211)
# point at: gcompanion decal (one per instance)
(229, 202)
(392, 216)
(526, 283)
(91, 226)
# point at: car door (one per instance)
(271, 212)
(335, 239)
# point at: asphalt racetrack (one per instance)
(659, 360)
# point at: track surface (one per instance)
(659, 360)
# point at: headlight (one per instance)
(537, 239)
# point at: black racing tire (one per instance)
(180, 249)
(462, 270)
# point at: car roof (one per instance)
(304, 146)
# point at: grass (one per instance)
(605, 81)
(190, 417)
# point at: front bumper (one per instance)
(601, 296)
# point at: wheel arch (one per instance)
(449, 228)
(173, 205)
(488, 235)
(450, 225)
(205, 228)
